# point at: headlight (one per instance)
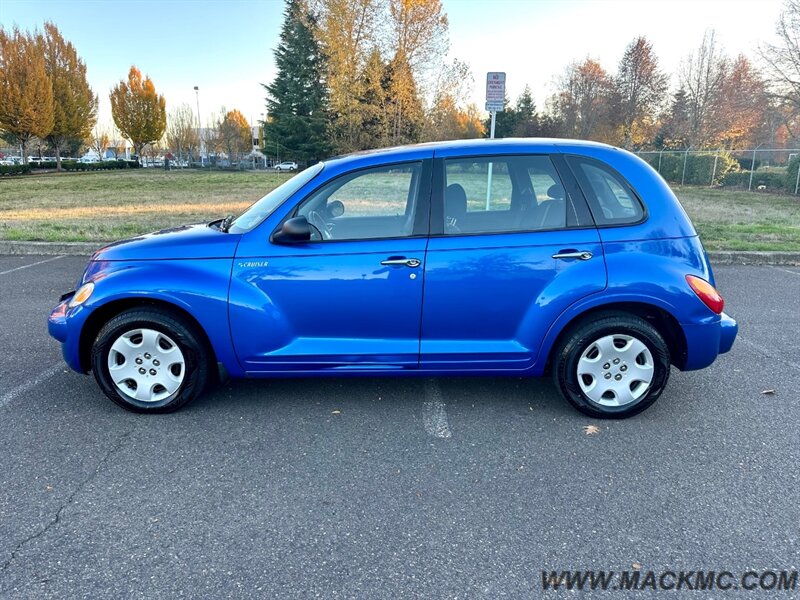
(82, 295)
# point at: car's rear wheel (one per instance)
(150, 360)
(613, 366)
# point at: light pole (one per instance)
(262, 136)
(252, 145)
(685, 158)
(199, 126)
(753, 167)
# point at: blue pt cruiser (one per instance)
(501, 257)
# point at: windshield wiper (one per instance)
(226, 223)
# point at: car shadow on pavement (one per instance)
(455, 393)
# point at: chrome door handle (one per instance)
(581, 255)
(403, 262)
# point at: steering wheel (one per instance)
(317, 221)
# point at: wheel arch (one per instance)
(664, 322)
(102, 314)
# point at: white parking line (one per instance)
(11, 395)
(786, 270)
(41, 262)
(766, 352)
(434, 412)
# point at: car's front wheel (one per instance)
(150, 360)
(613, 366)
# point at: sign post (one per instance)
(495, 102)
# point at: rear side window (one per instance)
(611, 199)
(503, 194)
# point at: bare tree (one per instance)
(703, 76)
(100, 141)
(782, 61)
(182, 135)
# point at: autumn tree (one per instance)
(640, 88)
(418, 35)
(139, 112)
(346, 33)
(404, 112)
(235, 136)
(26, 91)
(584, 102)
(451, 117)
(182, 135)
(74, 102)
(742, 104)
(297, 97)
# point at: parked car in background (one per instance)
(287, 165)
(502, 257)
(89, 159)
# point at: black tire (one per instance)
(189, 340)
(582, 336)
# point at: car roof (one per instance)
(482, 145)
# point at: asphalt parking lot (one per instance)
(391, 488)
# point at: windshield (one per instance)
(263, 208)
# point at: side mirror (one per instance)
(293, 231)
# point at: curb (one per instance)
(733, 257)
(717, 257)
(50, 248)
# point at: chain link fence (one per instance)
(753, 169)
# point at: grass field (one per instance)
(109, 205)
(734, 220)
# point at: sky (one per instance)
(224, 47)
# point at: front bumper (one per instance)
(65, 324)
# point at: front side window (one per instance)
(368, 204)
(503, 194)
(611, 199)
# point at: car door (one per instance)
(352, 297)
(512, 246)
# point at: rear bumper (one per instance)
(706, 341)
(728, 330)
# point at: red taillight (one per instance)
(706, 292)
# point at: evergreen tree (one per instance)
(505, 123)
(372, 103)
(297, 97)
(527, 120)
(675, 129)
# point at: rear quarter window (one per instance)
(611, 199)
